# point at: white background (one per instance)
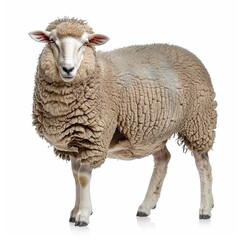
(39, 188)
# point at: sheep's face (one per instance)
(68, 50)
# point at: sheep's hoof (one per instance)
(81, 224)
(204, 216)
(141, 214)
(72, 219)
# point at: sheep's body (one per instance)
(143, 94)
(126, 104)
(165, 89)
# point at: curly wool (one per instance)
(69, 26)
(66, 114)
(177, 97)
(125, 103)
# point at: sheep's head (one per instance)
(68, 43)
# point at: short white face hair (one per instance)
(68, 51)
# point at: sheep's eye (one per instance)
(52, 41)
(81, 47)
(85, 44)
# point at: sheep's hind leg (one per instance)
(205, 173)
(161, 159)
(83, 206)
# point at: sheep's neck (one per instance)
(59, 99)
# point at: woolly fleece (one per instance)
(124, 103)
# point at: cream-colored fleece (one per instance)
(124, 103)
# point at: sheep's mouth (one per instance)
(67, 78)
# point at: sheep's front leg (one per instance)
(83, 206)
(161, 159)
(205, 173)
(75, 168)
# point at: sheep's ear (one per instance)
(97, 39)
(40, 36)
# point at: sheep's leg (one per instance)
(83, 206)
(75, 169)
(161, 159)
(205, 173)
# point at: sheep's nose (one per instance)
(67, 69)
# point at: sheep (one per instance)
(123, 104)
